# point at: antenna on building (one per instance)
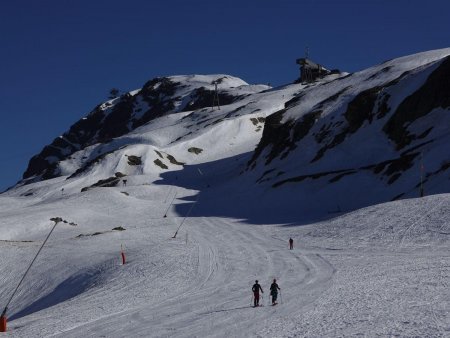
(216, 95)
(306, 52)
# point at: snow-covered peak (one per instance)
(225, 81)
(367, 130)
(413, 61)
(114, 118)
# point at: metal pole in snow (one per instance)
(122, 254)
(421, 175)
(56, 220)
(203, 177)
(168, 194)
(187, 214)
(167, 210)
(190, 209)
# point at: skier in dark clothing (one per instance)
(256, 287)
(291, 243)
(274, 291)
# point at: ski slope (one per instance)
(383, 270)
(200, 218)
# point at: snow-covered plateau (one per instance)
(201, 191)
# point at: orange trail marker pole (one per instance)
(3, 323)
(122, 254)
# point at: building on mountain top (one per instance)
(311, 71)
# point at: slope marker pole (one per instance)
(421, 175)
(122, 253)
(3, 323)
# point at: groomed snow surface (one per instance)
(379, 271)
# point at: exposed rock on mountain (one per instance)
(119, 116)
(367, 137)
(375, 123)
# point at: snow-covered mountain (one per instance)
(203, 201)
(367, 136)
(118, 117)
(364, 138)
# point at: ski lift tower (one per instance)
(216, 95)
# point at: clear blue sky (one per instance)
(59, 58)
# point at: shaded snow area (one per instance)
(203, 201)
(379, 271)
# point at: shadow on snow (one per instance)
(226, 189)
(70, 288)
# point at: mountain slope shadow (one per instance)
(226, 189)
(69, 288)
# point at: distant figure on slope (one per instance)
(274, 291)
(256, 287)
(291, 244)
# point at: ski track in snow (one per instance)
(219, 287)
(349, 276)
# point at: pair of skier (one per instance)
(273, 292)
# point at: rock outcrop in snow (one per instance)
(119, 116)
(374, 125)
